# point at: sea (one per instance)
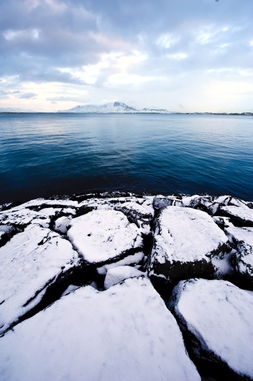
(45, 154)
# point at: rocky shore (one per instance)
(126, 287)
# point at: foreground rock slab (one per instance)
(30, 262)
(125, 333)
(219, 317)
(185, 239)
(103, 235)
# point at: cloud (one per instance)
(24, 34)
(177, 56)
(27, 95)
(116, 49)
(167, 40)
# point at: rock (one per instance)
(6, 232)
(124, 333)
(41, 203)
(118, 274)
(62, 224)
(134, 259)
(239, 215)
(184, 241)
(241, 239)
(104, 236)
(138, 210)
(30, 262)
(161, 202)
(218, 316)
(198, 202)
(24, 217)
(243, 261)
(38, 211)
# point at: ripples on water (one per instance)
(43, 154)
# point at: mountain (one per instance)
(113, 107)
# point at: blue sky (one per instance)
(184, 55)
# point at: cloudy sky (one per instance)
(184, 55)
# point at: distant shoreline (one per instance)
(128, 113)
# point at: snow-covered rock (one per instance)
(241, 239)
(43, 202)
(62, 224)
(160, 202)
(6, 231)
(38, 211)
(134, 259)
(104, 235)
(25, 216)
(137, 209)
(29, 263)
(125, 333)
(197, 202)
(118, 274)
(219, 316)
(239, 215)
(243, 261)
(184, 241)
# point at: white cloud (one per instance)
(20, 34)
(177, 56)
(210, 33)
(167, 40)
(118, 62)
(120, 79)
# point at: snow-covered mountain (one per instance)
(113, 107)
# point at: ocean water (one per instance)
(45, 154)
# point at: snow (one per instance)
(101, 235)
(219, 314)
(42, 201)
(26, 216)
(186, 235)
(242, 237)
(5, 229)
(125, 333)
(29, 261)
(142, 206)
(244, 234)
(62, 224)
(243, 213)
(134, 259)
(139, 209)
(120, 273)
(193, 201)
(223, 264)
(244, 259)
(228, 200)
(113, 107)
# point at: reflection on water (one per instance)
(42, 154)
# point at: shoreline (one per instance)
(131, 257)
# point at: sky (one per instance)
(182, 55)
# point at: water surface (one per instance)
(45, 154)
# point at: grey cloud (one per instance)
(27, 95)
(47, 39)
